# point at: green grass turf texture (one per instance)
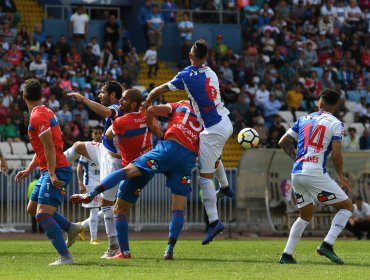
(221, 259)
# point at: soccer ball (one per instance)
(248, 138)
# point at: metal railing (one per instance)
(66, 11)
(152, 211)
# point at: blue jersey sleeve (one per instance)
(177, 82)
(293, 131)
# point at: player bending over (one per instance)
(202, 86)
(317, 134)
(175, 157)
(56, 173)
(88, 175)
(105, 155)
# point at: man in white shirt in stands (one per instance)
(360, 220)
(185, 27)
(78, 26)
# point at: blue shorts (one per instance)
(173, 160)
(129, 190)
(46, 193)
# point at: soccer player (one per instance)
(317, 134)
(105, 155)
(56, 173)
(3, 164)
(175, 157)
(88, 175)
(202, 87)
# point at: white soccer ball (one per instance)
(248, 138)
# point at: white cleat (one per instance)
(63, 261)
(72, 234)
(109, 253)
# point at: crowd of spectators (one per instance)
(291, 50)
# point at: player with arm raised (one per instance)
(202, 87)
(175, 157)
(88, 175)
(317, 135)
(105, 155)
(56, 173)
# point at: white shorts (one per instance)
(96, 201)
(100, 156)
(211, 144)
(322, 188)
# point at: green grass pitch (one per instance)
(222, 259)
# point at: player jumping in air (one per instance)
(56, 173)
(202, 87)
(175, 157)
(105, 155)
(88, 175)
(317, 135)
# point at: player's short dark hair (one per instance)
(134, 95)
(112, 86)
(97, 127)
(330, 96)
(200, 48)
(32, 90)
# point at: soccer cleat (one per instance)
(119, 255)
(212, 232)
(109, 253)
(326, 250)
(287, 259)
(81, 234)
(63, 260)
(72, 234)
(80, 198)
(221, 192)
(95, 242)
(168, 254)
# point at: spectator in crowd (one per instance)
(38, 34)
(351, 142)
(82, 112)
(89, 58)
(8, 131)
(5, 63)
(155, 26)
(133, 70)
(365, 140)
(185, 27)
(170, 15)
(360, 220)
(362, 111)
(64, 115)
(220, 46)
(78, 27)
(48, 45)
(151, 58)
(144, 15)
(111, 31)
(262, 96)
(53, 103)
(38, 67)
(295, 97)
(95, 46)
(238, 113)
(271, 109)
(14, 54)
(262, 131)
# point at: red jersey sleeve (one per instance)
(40, 123)
(119, 126)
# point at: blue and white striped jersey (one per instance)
(108, 143)
(314, 134)
(202, 86)
(91, 172)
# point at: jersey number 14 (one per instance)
(315, 137)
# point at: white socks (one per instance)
(221, 175)
(337, 225)
(85, 223)
(109, 226)
(93, 223)
(209, 198)
(71, 154)
(295, 234)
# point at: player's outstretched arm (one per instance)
(338, 163)
(24, 173)
(3, 164)
(286, 143)
(154, 94)
(152, 113)
(99, 109)
(47, 141)
(109, 133)
(80, 174)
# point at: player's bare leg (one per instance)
(345, 210)
(205, 181)
(177, 222)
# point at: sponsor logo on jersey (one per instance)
(325, 196)
(152, 164)
(313, 159)
(185, 180)
(137, 192)
(46, 194)
(299, 198)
